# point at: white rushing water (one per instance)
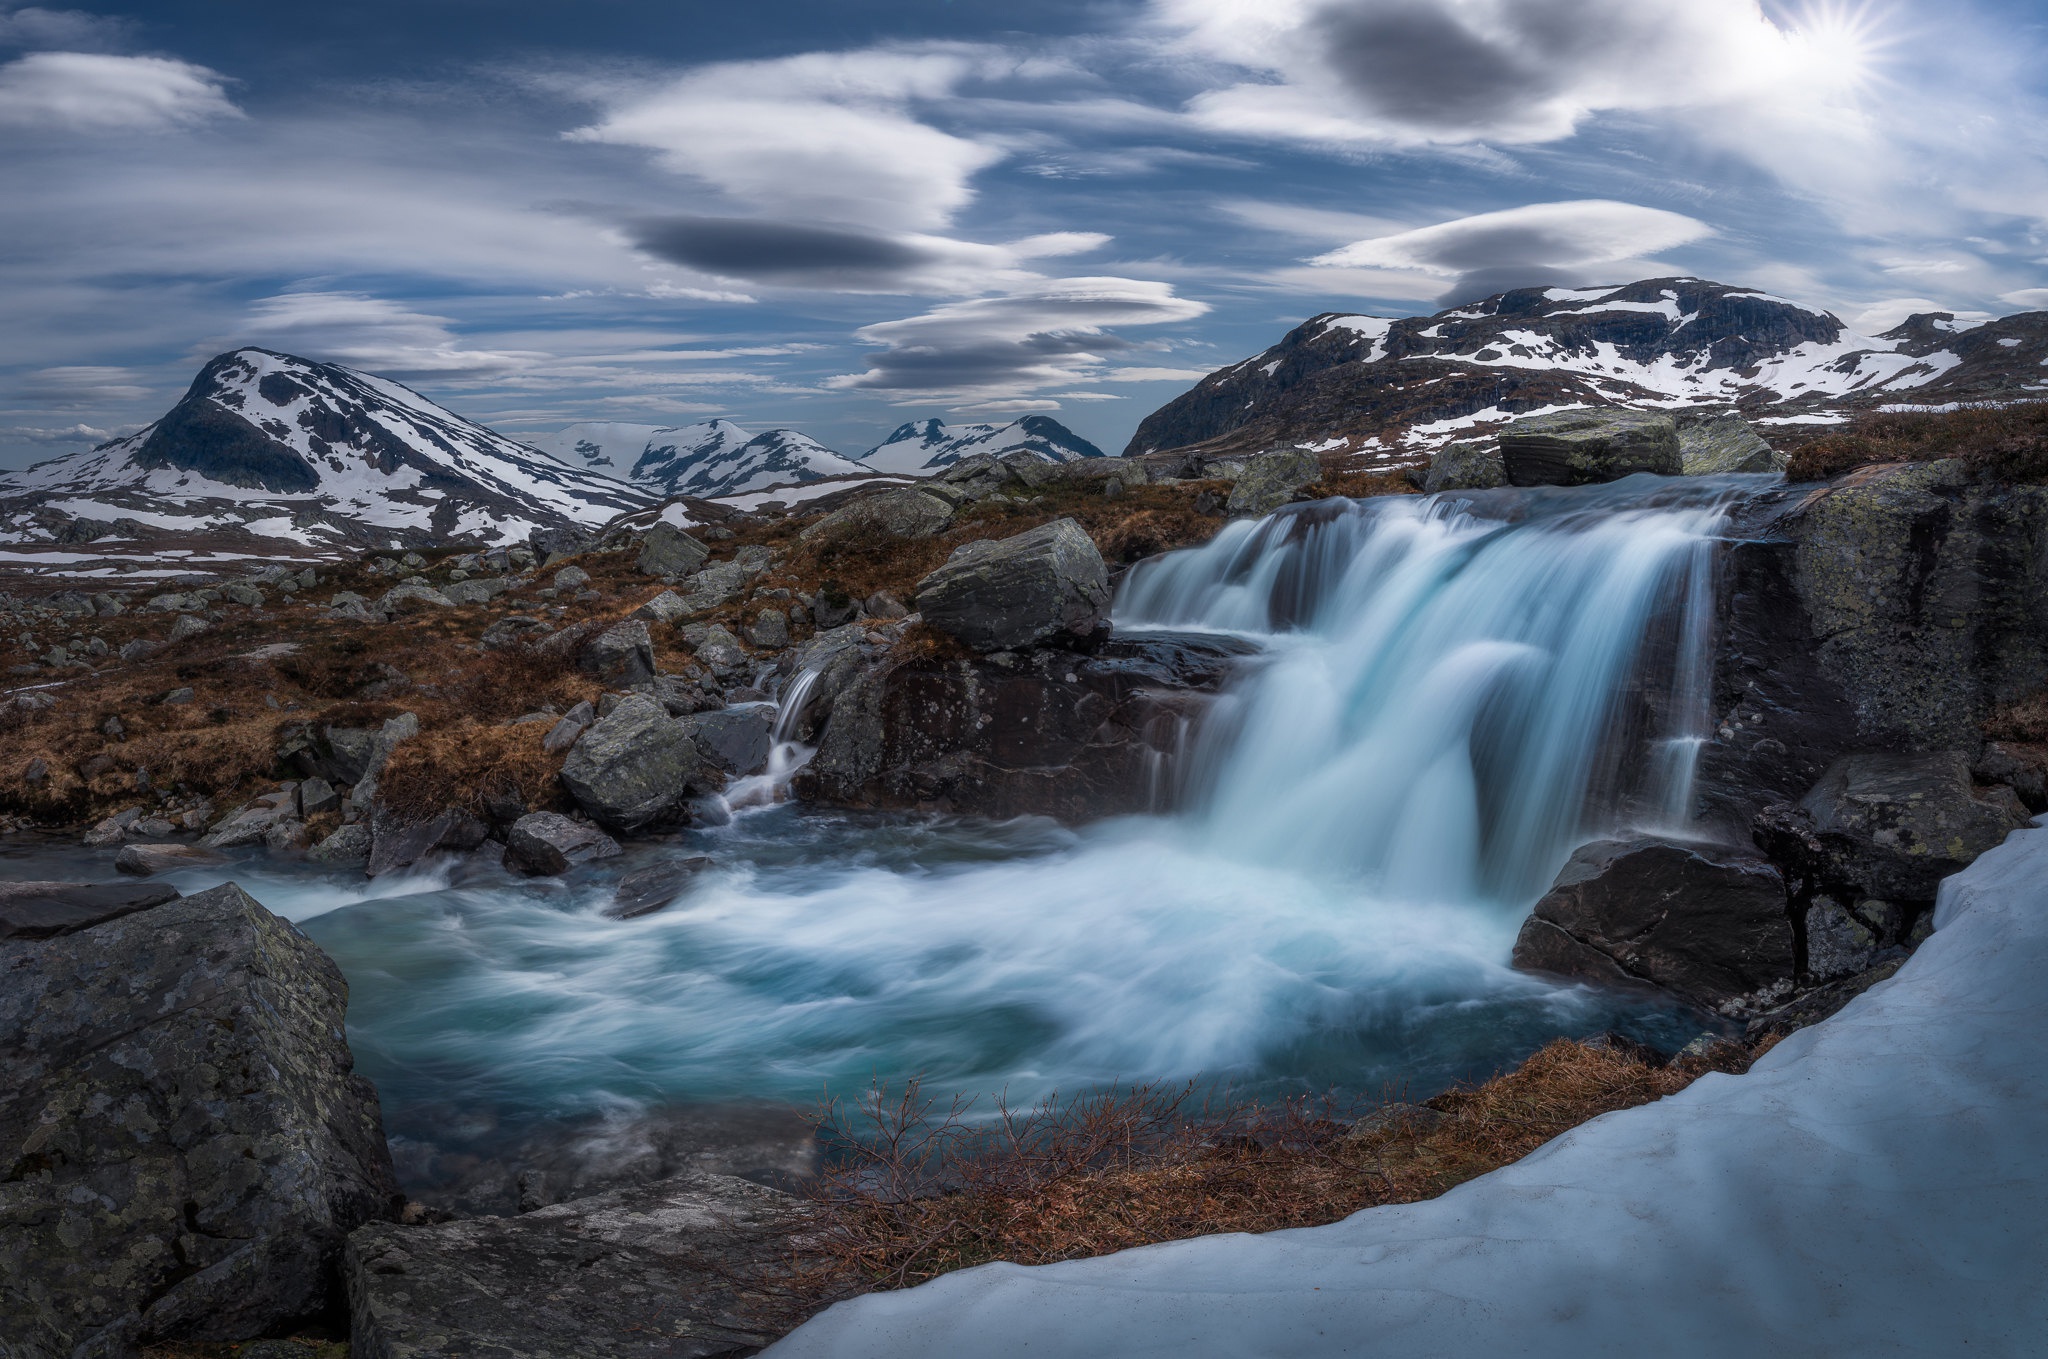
(1454, 692)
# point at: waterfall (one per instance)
(1459, 688)
(786, 755)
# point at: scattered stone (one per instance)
(666, 607)
(547, 843)
(736, 739)
(720, 651)
(666, 550)
(622, 654)
(113, 729)
(395, 844)
(476, 591)
(1714, 445)
(637, 768)
(565, 732)
(571, 578)
(114, 829)
(43, 910)
(1574, 448)
(179, 695)
(186, 628)
(770, 630)
(1042, 585)
(902, 512)
(246, 595)
(93, 766)
(317, 795)
(650, 889)
(715, 586)
(1270, 480)
(1707, 926)
(348, 845)
(146, 860)
(547, 544)
(516, 629)
(140, 649)
(409, 598)
(235, 1151)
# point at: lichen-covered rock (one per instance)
(680, 1269)
(1575, 448)
(903, 512)
(1718, 444)
(398, 842)
(1892, 826)
(637, 768)
(1046, 584)
(478, 591)
(736, 739)
(621, 655)
(348, 845)
(250, 822)
(404, 599)
(1709, 926)
(770, 630)
(1270, 480)
(716, 586)
(666, 607)
(666, 550)
(1468, 466)
(183, 1145)
(548, 843)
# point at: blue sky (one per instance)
(840, 215)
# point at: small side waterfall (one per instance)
(786, 755)
(1460, 687)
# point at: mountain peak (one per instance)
(923, 447)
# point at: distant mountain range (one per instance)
(714, 458)
(1394, 390)
(927, 446)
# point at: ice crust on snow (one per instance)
(1875, 1185)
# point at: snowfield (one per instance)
(1876, 1185)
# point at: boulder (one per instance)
(621, 655)
(188, 1146)
(145, 860)
(547, 843)
(316, 795)
(650, 889)
(1468, 466)
(666, 607)
(564, 541)
(1710, 926)
(1574, 448)
(114, 829)
(43, 910)
(770, 630)
(1891, 826)
(186, 628)
(736, 739)
(513, 630)
(666, 550)
(250, 822)
(397, 843)
(567, 728)
(681, 1269)
(720, 652)
(1270, 480)
(637, 768)
(479, 591)
(354, 754)
(922, 511)
(1047, 584)
(1712, 445)
(716, 586)
(348, 845)
(408, 598)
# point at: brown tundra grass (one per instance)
(2005, 443)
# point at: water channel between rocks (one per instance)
(1454, 692)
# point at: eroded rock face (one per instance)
(1050, 733)
(183, 1143)
(673, 1269)
(1043, 585)
(1708, 926)
(1576, 448)
(637, 768)
(1270, 480)
(1892, 826)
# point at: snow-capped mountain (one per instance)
(928, 445)
(283, 447)
(1396, 389)
(713, 458)
(603, 446)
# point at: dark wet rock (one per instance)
(736, 739)
(622, 654)
(396, 843)
(1892, 826)
(353, 755)
(675, 1269)
(666, 550)
(317, 795)
(1714, 444)
(1271, 480)
(347, 845)
(43, 910)
(637, 769)
(563, 541)
(1820, 1002)
(547, 843)
(1043, 585)
(832, 607)
(1468, 466)
(145, 860)
(1575, 448)
(187, 1144)
(650, 889)
(114, 829)
(1050, 732)
(2020, 767)
(1707, 925)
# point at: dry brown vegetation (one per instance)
(915, 1194)
(2004, 443)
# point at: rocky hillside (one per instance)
(266, 445)
(1394, 390)
(923, 447)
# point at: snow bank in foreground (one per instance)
(1876, 1185)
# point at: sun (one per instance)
(1838, 45)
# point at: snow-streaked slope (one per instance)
(606, 446)
(720, 458)
(925, 447)
(1875, 1185)
(343, 455)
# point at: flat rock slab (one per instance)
(43, 910)
(648, 890)
(142, 860)
(681, 1269)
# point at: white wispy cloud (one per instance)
(96, 92)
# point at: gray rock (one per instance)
(1468, 466)
(187, 1142)
(637, 768)
(1270, 480)
(546, 843)
(182, 694)
(622, 654)
(139, 649)
(650, 889)
(736, 739)
(43, 910)
(405, 599)
(1838, 942)
(250, 822)
(317, 795)
(348, 845)
(1892, 826)
(396, 844)
(770, 630)
(246, 595)
(114, 829)
(1709, 926)
(666, 550)
(666, 607)
(883, 605)
(1574, 448)
(186, 628)
(720, 651)
(565, 733)
(548, 543)
(681, 1269)
(571, 578)
(1719, 444)
(715, 586)
(1045, 584)
(145, 860)
(477, 591)
(902, 512)
(513, 630)
(359, 754)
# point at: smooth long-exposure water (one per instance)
(1455, 692)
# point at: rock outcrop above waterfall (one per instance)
(1046, 584)
(1577, 448)
(1395, 390)
(188, 1146)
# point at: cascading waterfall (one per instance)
(786, 755)
(1446, 708)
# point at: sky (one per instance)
(840, 215)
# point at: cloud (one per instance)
(847, 259)
(1879, 317)
(94, 92)
(80, 433)
(830, 136)
(77, 386)
(364, 332)
(1056, 332)
(1520, 247)
(62, 30)
(2028, 299)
